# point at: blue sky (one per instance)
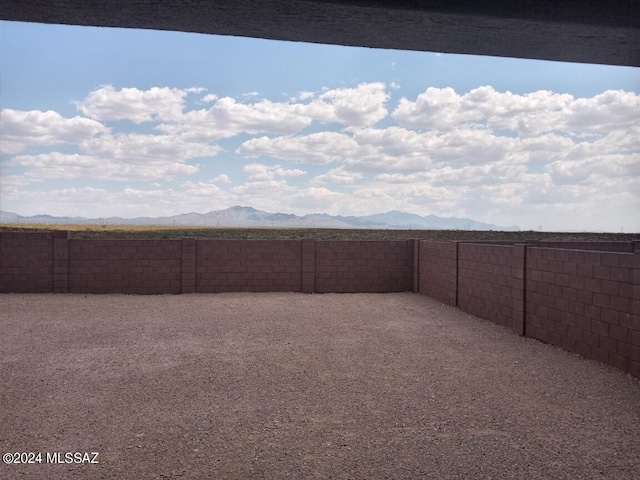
(99, 122)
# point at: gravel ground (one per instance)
(241, 386)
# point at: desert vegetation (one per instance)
(232, 233)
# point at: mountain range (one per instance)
(250, 217)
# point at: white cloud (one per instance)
(56, 165)
(378, 150)
(211, 97)
(85, 201)
(23, 130)
(263, 116)
(350, 107)
(353, 107)
(259, 171)
(544, 147)
(147, 149)
(593, 170)
(11, 186)
(611, 110)
(202, 189)
(467, 176)
(436, 108)
(263, 186)
(119, 157)
(337, 175)
(125, 202)
(227, 118)
(222, 178)
(302, 96)
(138, 106)
(270, 195)
(316, 199)
(531, 114)
(316, 148)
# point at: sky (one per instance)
(101, 122)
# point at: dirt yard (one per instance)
(273, 386)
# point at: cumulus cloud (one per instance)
(532, 114)
(611, 110)
(222, 178)
(188, 196)
(354, 107)
(316, 148)
(259, 171)
(100, 154)
(11, 186)
(379, 150)
(56, 165)
(146, 149)
(337, 176)
(202, 189)
(211, 97)
(102, 202)
(467, 176)
(317, 199)
(301, 96)
(593, 170)
(24, 130)
(263, 116)
(403, 150)
(119, 157)
(349, 107)
(227, 118)
(138, 106)
(270, 194)
(443, 109)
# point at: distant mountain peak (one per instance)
(240, 208)
(245, 216)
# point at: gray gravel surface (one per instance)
(243, 386)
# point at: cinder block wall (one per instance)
(248, 266)
(51, 262)
(364, 266)
(125, 266)
(586, 302)
(622, 247)
(437, 277)
(26, 261)
(491, 282)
